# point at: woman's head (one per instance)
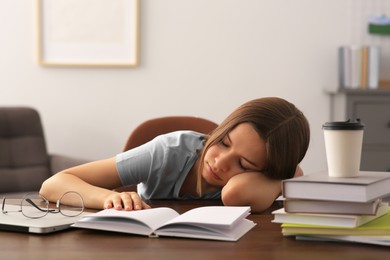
(282, 127)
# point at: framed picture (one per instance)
(90, 33)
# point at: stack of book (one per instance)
(359, 67)
(319, 207)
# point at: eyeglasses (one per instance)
(34, 205)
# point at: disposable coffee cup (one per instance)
(343, 146)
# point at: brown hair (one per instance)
(283, 127)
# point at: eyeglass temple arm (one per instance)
(35, 205)
(2, 207)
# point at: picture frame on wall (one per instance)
(87, 33)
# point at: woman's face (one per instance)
(241, 150)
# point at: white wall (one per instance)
(197, 57)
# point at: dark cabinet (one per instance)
(373, 108)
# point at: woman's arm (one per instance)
(253, 189)
(94, 182)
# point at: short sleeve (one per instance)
(159, 167)
(135, 165)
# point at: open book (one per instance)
(211, 222)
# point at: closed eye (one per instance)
(243, 167)
(225, 142)
(243, 163)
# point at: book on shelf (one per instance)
(335, 220)
(373, 67)
(367, 186)
(358, 67)
(331, 207)
(211, 222)
(364, 68)
(344, 66)
(377, 227)
(356, 55)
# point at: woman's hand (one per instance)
(125, 200)
(298, 172)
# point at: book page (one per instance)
(221, 216)
(213, 233)
(153, 218)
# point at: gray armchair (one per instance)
(24, 160)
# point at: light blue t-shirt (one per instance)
(160, 166)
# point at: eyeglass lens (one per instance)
(71, 204)
(35, 205)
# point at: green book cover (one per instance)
(377, 227)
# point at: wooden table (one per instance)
(263, 242)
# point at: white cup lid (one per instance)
(355, 124)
